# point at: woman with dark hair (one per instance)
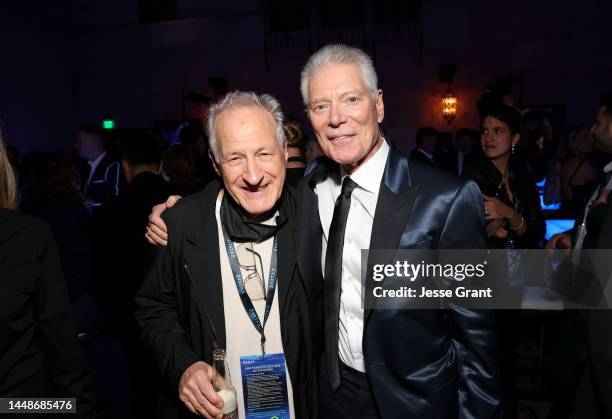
(578, 173)
(512, 205)
(39, 352)
(514, 217)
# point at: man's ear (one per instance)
(380, 106)
(214, 162)
(286, 151)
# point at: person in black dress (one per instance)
(39, 352)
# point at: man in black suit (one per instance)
(446, 156)
(366, 195)
(102, 178)
(425, 145)
(594, 231)
(229, 259)
(121, 256)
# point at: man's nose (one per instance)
(253, 173)
(337, 115)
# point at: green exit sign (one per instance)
(108, 124)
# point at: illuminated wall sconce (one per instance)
(449, 105)
(449, 100)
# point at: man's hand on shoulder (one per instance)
(197, 392)
(156, 232)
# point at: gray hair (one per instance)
(240, 99)
(339, 54)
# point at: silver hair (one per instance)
(239, 99)
(339, 54)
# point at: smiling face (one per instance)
(344, 115)
(251, 162)
(496, 138)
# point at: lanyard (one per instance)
(244, 297)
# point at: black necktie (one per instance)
(333, 279)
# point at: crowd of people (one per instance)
(128, 265)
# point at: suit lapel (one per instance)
(309, 230)
(202, 260)
(286, 260)
(395, 202)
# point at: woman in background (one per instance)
(39, 352)
(515, 220)
(512, 204)
(578, 172)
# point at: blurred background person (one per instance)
(578, 172)
(296, 161)
(425, 145)
(56, 198)
(39, 352)
(312, 150)
(515, 220)
(512, 205)
(121, 258)
(102, 177)
(445, 154)
(180, 170)
(467, 142)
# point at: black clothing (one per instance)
(70, 223)
(121, 253)
(106, 181)
(121, 258)
(353, 399)
(242, 229)
(333, 278)
(39, 351)
(580, 193)
(420, 157)
(180, 305)
(526, 200)
(447, 159)
(294, 175)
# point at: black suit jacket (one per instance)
(181, 302)
(421, 363)
(418, 156)
(39, 352)
(105, 182)
(599, 321)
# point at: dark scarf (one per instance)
(241, 228)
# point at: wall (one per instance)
(136, 73)
(37, 107)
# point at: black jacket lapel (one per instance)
(395, 201)
(202, 261)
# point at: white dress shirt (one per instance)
(93, 165)
(356, 237)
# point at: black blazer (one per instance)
(39, 352)
(420, 363)
(598, 321)
(418, 156)
(183, 296)
(105, 182)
